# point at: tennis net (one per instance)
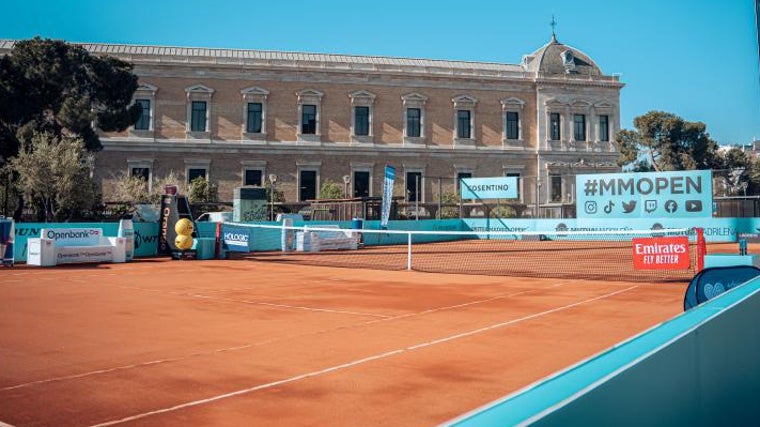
(637, 255)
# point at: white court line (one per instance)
(246, 346)
(269, 304)
(353, 363)
(2, 424)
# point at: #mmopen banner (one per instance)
(676, 194)
(385, 214)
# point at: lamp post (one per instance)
(272, 180)
(346, 181)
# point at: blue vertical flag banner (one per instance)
(677, 194)
(390, 177)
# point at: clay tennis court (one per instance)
(170, 343)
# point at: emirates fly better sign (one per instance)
(661, 253)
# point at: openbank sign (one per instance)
(680, 194)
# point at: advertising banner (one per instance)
(73, 236)
(76, 254)
(236, 238)
(679, 194)
(385, 213)
(661, 253)
(502, 187)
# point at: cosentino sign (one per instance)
(661, 253)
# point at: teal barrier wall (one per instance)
(146, 235)
(716, 229)
(699, 369)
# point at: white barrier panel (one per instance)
(75, 245)
(126, 230)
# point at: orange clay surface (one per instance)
(245, 343)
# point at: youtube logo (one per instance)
(693, 206)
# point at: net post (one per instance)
(409, 252)
(701, 248)
(218, 241)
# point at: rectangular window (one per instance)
(413, 186)
(579, 127)
(516, 175)
(143, 122)
(513, 125)
(460, 177)
(556, 188)
(193, 173)
(198, 116)
(413, 122)
(253, 124)
(308, 120)
(604, 128)
(252, 177)
(463, 124)
(361, 184)
(554, 127)
(142, 173)
(361, 121)
(308, 186)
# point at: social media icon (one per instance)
(590, 207)
(650, 206)
(693, 206)
(608, 208)
(629, 207)
(671, 206)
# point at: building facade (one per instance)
(239, 117)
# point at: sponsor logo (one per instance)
(235, 238)
(71, 234)
(693, 206)
(140, 239)
(661, 253)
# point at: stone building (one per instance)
(238, 117)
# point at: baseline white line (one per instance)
(513, 321)
(350, 364)
(246, 346)
(2, 424)
(251, 389)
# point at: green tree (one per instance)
(503, 211)
(202, 191)
(449, 211)
(664, 142)
(54, 173)
(740, 173)
(49, 86)
(331, 190)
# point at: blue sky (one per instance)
(694, 58)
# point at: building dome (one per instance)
(558, 58)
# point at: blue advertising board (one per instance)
(678, 194)
(501, 187)
(236, 238)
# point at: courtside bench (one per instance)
(75, 245)
(334, 238)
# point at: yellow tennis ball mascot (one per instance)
(184, 240)
(184, 227)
